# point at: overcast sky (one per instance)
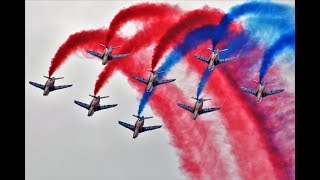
(61, 141)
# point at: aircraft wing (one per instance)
(149, 128)
(117, 56)
(36, 85)
(84, 105)
(188, 108)
(126, 125)
(226, 59)
(267, 93)
(206, 110)
(249, 90)
(61, 87)
(140, 79)
(202, 58)
(164, 81)
(105, 107)
(95, 54)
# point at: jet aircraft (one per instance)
(138, 126)
(107, 54)
(153, 80)
(261, 92)
(197, 108)
(214, 59)
(94, 105)
(49, 85)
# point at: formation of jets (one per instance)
(153, 81)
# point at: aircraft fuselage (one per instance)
(105, 58)
(137, 128)
(197, 108)
(152, 81)
(94, 103)
(214, 57)
(259, 92)
(48, 86)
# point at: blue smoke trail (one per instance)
(286, 41)
(191, 41)
(199, 35)
(273, 13)
(145, 98)
(204, 78)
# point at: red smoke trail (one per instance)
(246, 154)
(252, 154)
(192, 138)
(141, 12)
(191, 166)
(72, 43)
(254, 170)
(86, 41)
(189, 163)
(142, 39)
(240, 115)
(276, 120)
(187, 22)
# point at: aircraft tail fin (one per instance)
(135, 116)
(53, 77)
(148, 117)
(269, 82)
(194, 98)
(263, 82)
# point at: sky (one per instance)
(61, 141)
